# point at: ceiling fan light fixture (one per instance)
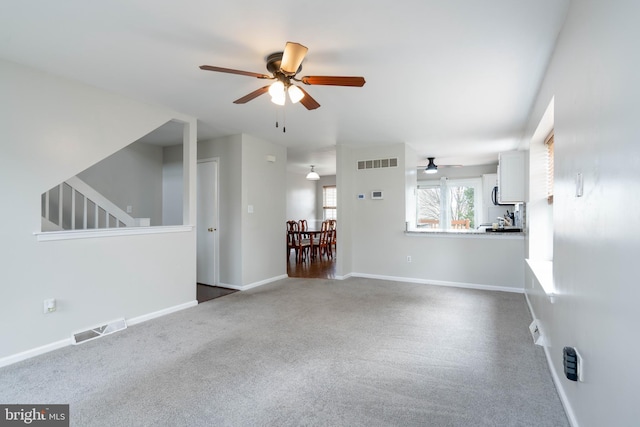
(278, 100)
(276, 90)
(313, 175)
(295, 94)
(431, 167)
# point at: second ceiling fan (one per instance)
(284, 66)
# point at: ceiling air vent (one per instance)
(378, 163)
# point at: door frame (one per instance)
(216, 239)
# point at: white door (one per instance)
(207, 222)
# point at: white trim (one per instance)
(19, 357)
(254, 284)
(9, 360)
(160, 313)
(571, 416)
(109, 232)
(441, 283)
(543, 272)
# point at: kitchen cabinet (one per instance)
(511, 165)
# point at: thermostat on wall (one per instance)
(376, 194)
(360, 196)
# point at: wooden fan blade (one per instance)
(252, 95)
(292, 58)
(308, 101)
(333, 81)
(232, 71)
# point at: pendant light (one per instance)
(313, 175)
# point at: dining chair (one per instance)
(333, 236)
(302, 224)
(295, 241)
(324, 241)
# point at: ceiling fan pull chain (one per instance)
(276, 117)
(284, 121)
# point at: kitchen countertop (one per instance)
(481, 233)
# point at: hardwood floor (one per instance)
(206, 292)
(317, 269)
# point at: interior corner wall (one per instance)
(172, 185)
(301, 198)
(229, 152)
(379, 246)
(131, 177)
(52, 128)
(324, 181)
(345, 215)
(593, 78)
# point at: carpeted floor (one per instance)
(308, 352)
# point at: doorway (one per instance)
(207, 258)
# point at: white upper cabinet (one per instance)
(511, 177)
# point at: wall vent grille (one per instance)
(100, 331)
(377, 163)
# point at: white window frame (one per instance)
(444, 184)
(325, 207)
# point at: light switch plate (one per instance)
(579, 185)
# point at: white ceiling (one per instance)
(454, 79)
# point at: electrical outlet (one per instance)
(49, 305)
(409, 258)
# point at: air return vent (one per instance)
(100, 331)
(378, 163)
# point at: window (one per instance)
(451, 201)
(329, 202)
(548, 142)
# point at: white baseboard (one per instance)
(554, 374)
(15, 358)
(439, 283)
(254, 284)
(160, 313)
(9, 360)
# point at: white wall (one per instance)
(594, 79)
(301, 198)
(324, 181)
(172, 184)
(131, 177)
(252, 245)
(51, 129)
(378, 245)
(263, 231)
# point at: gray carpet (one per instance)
(357, 352)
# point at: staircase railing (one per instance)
(78, 206)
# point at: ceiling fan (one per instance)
(284, 66)
(431, 167)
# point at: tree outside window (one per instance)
(449, 200)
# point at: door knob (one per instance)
(211, 230)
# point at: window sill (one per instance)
(543, 272)
(109, 232)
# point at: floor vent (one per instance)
(100, 331)
(538, 339)
(378, 163)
